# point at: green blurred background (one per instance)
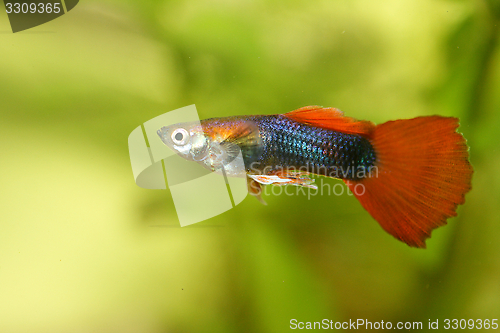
(82, 248)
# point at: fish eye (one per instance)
(180, 137)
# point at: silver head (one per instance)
(187, 140)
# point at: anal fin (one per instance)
(255, 189)
(285, 178)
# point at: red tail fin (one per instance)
(423, 174)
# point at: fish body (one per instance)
(414, 172)
(283, 143)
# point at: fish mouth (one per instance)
(163, 134)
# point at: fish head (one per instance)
(197, 143)
(212, 143)
(188, 140)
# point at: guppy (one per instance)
(409, 174)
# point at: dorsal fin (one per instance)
(332, 119)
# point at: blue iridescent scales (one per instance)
(287, 144)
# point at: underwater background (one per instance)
(84, 249)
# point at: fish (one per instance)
(409, 174)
